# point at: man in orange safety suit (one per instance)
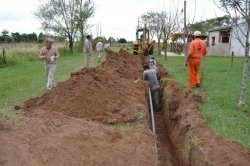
(197, 50)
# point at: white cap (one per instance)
(197, 33)
(151, 61)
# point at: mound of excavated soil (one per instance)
(98, 94)
(82, 120)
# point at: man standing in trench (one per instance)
(150, 75)
(50, 55)
(197, 50)
(87, 50)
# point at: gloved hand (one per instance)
(186, 64)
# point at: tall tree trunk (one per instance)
(71, 42)
(245, 71)
(71, 45)
(165, 48)
(159, 46)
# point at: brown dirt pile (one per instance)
(80, 122)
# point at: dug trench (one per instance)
(100, 116)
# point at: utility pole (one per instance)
(185, 32)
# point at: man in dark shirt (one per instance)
(150, 75)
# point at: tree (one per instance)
(155, 22)
(240, 9)
(111, 39)
(204, 26)
(5, 36)
(32, 37)
(85, 10)
(171, 25)
(41, 38)
(122, 40)
(65, 18)
(16, 37)
(24, 38)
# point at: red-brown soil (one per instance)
(99, 116)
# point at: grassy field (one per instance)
(222, 87)
(221, 83)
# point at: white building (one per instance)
(224, 40)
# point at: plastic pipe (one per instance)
(152, 118)
(151, 111)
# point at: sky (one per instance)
(117, 18)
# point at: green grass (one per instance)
(222, 85)
(27, 79)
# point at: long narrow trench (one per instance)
(166, 153)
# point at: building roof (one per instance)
(228, 27)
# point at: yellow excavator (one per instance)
(142, 41)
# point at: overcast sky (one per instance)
(117, 18)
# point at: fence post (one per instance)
(232, 59)
(4, 59)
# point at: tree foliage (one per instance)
(65, 17)
(204, 26)
(122, 40)
(155, 23)
(162, 25)
(16, 37)
(86, 10)
(111, 39)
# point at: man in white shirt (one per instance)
(107, 47)
(99, 48)
(87, 50)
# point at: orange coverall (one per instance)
(197, 50)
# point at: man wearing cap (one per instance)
(197, 50)
(149, 75)
(152, 64)
(152, 57)
(50, 55)
(87, 50)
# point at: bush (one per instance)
(78, 46)
(63, 50)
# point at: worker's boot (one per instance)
(197, 85)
